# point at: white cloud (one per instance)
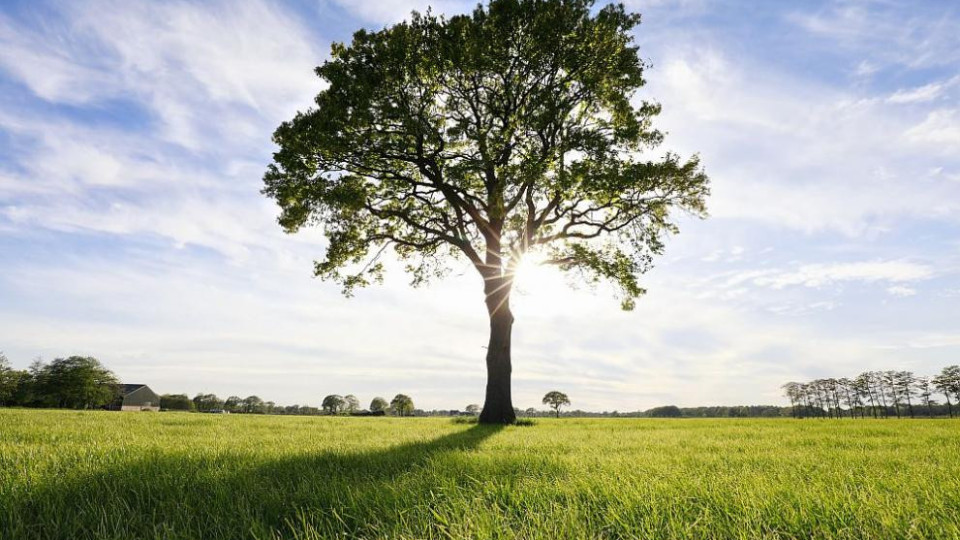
(818, 275)
(911, 35)
(214, 78)
(901, 291)
(921, 94)
(865, 69)
(794, 154)
(941, 128)
(212, 73)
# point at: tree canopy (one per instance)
(515, 128)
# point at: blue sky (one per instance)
(133, 137)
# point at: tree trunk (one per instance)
(498, 404)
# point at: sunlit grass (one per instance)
(172, 476)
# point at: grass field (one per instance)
(143, 476)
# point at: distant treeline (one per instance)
(334, 404)
(76, 382)
(82, 382)
(877, 394)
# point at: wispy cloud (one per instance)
(818, 275)
(913, 35)
(922, 94)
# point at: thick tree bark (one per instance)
(498, 404)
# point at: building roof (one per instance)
(126, 389)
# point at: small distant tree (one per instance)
(333, 404)
(207, 402)
(233, 404)
(904, 383)
(925, 392)
(176, 402)
(352, 403)
(402, 405)
(947, 382)
(863, 386)
(794, 393)
(473, 409)
(252, 405)
(9, 380)
(378, 404)
(555, 400)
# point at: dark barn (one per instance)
(137, 397)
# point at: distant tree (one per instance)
(904, 382)
(555, 400)
(269, 407)
(352, 404)
(9, 381)
(666, 411)
(889, 384)
(32, 391)
(252, 405)
(883, 392)
(925, 392)
(333, 404)
(378, 404)
(531, 411)
(402, 405)
(845, 388)
(947, 382)
(207, 402)
(176, 402)
(514, 130)
(233, 404)
(75, 382)
(473, 408)
(793, 392)
(863, 386)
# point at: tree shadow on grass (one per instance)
(404, 490)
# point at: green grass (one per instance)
(75, 475)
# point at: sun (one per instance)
(539, 284)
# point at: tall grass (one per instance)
(75, 475)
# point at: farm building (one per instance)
(137, 397)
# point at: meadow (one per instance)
(105, 475)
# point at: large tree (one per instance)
(515, 130)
